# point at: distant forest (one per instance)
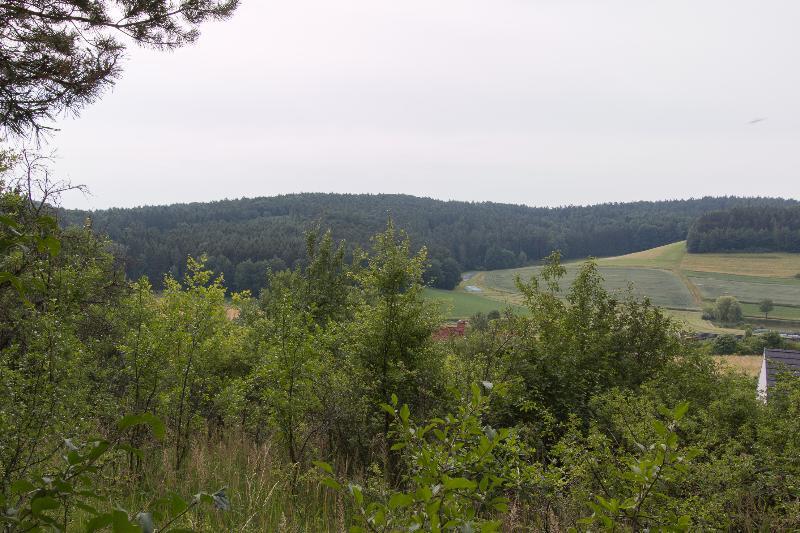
(244, 237)
(747, 229)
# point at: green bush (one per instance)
(725, 345)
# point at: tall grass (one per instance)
(266, 492)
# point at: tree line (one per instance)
(244, 238)
(747, 229)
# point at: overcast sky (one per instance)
(541, 102)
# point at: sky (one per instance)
(537, 102)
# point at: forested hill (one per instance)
(747, 229)
(242, 237)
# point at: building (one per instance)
(451, 330)
(773, 363)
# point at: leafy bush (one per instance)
(459, 471)
(728, 310)
(725, 345)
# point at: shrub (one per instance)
(728, 310)
(725, 345)
(459, 471)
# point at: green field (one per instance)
(753, 289)
(672, 278)
(780, 311)
(458, 304)
(663, 287)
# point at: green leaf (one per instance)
(120, 523)
(680, 410)
(8, 221)
(405, 413)
(99, 522)
(324, 466)
(155, 424)
(457, 483)
(48, 244)
(42, 504)
(358, 496)
(100, 447)
(424, 493)
(22, 485)
(332, 483)
(177, 505)
(399, 500)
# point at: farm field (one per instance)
(750, 290)
(693, 321)
(747, 364)
(458, 304)
(666, 257)
(760, 265)
(663, 287)
(673, 279)
(780, 311)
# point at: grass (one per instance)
(678, 281)
(747, 364)
(266, 494)
(762, 265)
(458, 304)
(693, 321)
(751, 290)
(780, 312)
(666, 257)
(663, 287)
(672, 278)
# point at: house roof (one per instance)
(779, 361)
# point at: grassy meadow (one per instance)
(461, 304)
(672, 278)
(750, 365)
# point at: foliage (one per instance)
(250, 389)
(766, 306)
(45, 502)
(457, 235)
(725, 345)
(571, 348)
(747, 229)
(458, 472)
(728, 310)
(59, 55)
(638, 508)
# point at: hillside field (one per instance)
(673, 279)
(458, 304)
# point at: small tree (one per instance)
(766, 306)
(728, 310)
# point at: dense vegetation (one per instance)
(326, 402)
(243, 238)
(747, 229)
